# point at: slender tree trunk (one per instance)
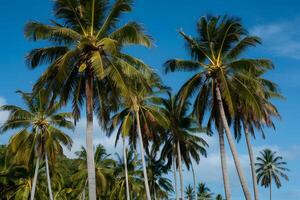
(175, 179)
(223, 162)
(270, 189)
(232, 146)
(194, 179)
(143, 156)
(48, 177)
(251, 157)
(36, 171)
(126, 170)
(180, 170)
(89, 136)
(83, 192)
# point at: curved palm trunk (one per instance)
(232, 146)
(180, 170)
(48, 177)
(126, 170)
(89, 137)
(251, 157)
(223, 162)
(175, 179)
(143, 156)
(36, 171)
(194, 179)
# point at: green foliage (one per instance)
(270, 167)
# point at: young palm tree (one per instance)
(189, 193)
(85, 59)
(159, 185)
(40, 134)
(270, 167)
(134, 175)
(104, 169)
(140, 115)
(204, 192)
(246, 117)
(181, 143)
(216, 56)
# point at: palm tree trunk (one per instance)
(126, 170)
(251, 157)
(83, 192)
(89, 136)
(223, 162)
(48, 177)
(180, 170)
(32, 193)
(175, 180)
(232, 146)
(143, 156)
(194, 179)
(270, 189)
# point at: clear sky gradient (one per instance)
(276, 21)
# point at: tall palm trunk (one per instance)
(89, 136)
(194, 180)
(175, 179)
(251, 157)
(270, 189)
(223, 162)
(142, 154)
(36, 171)
(126, 170)
(48, 177)
(180, 170)
(232, 146)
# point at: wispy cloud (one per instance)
(281, 37)
(3, 114)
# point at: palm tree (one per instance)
(203, 192)
(270, 167)
(103, 167)
(181, 141)
(140, 114)
(134, 174)
(85, 59)
(246, 117)
(40, 134)
(159, 185)
(190, 193)
(216, 54)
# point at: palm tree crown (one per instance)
(270, 167)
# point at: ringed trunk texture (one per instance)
(175, 179)
(232, 146)
(143, 156)
(89, 137)
(223, 162)
(180, 171)
(251, 157)
(194, 179)
(36, 171)
(126, 170)
(48, 177)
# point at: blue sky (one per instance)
(276, 21)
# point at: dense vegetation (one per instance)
(161, 131)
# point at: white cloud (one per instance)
(3, 114)
(99, 137)
(281, 38)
